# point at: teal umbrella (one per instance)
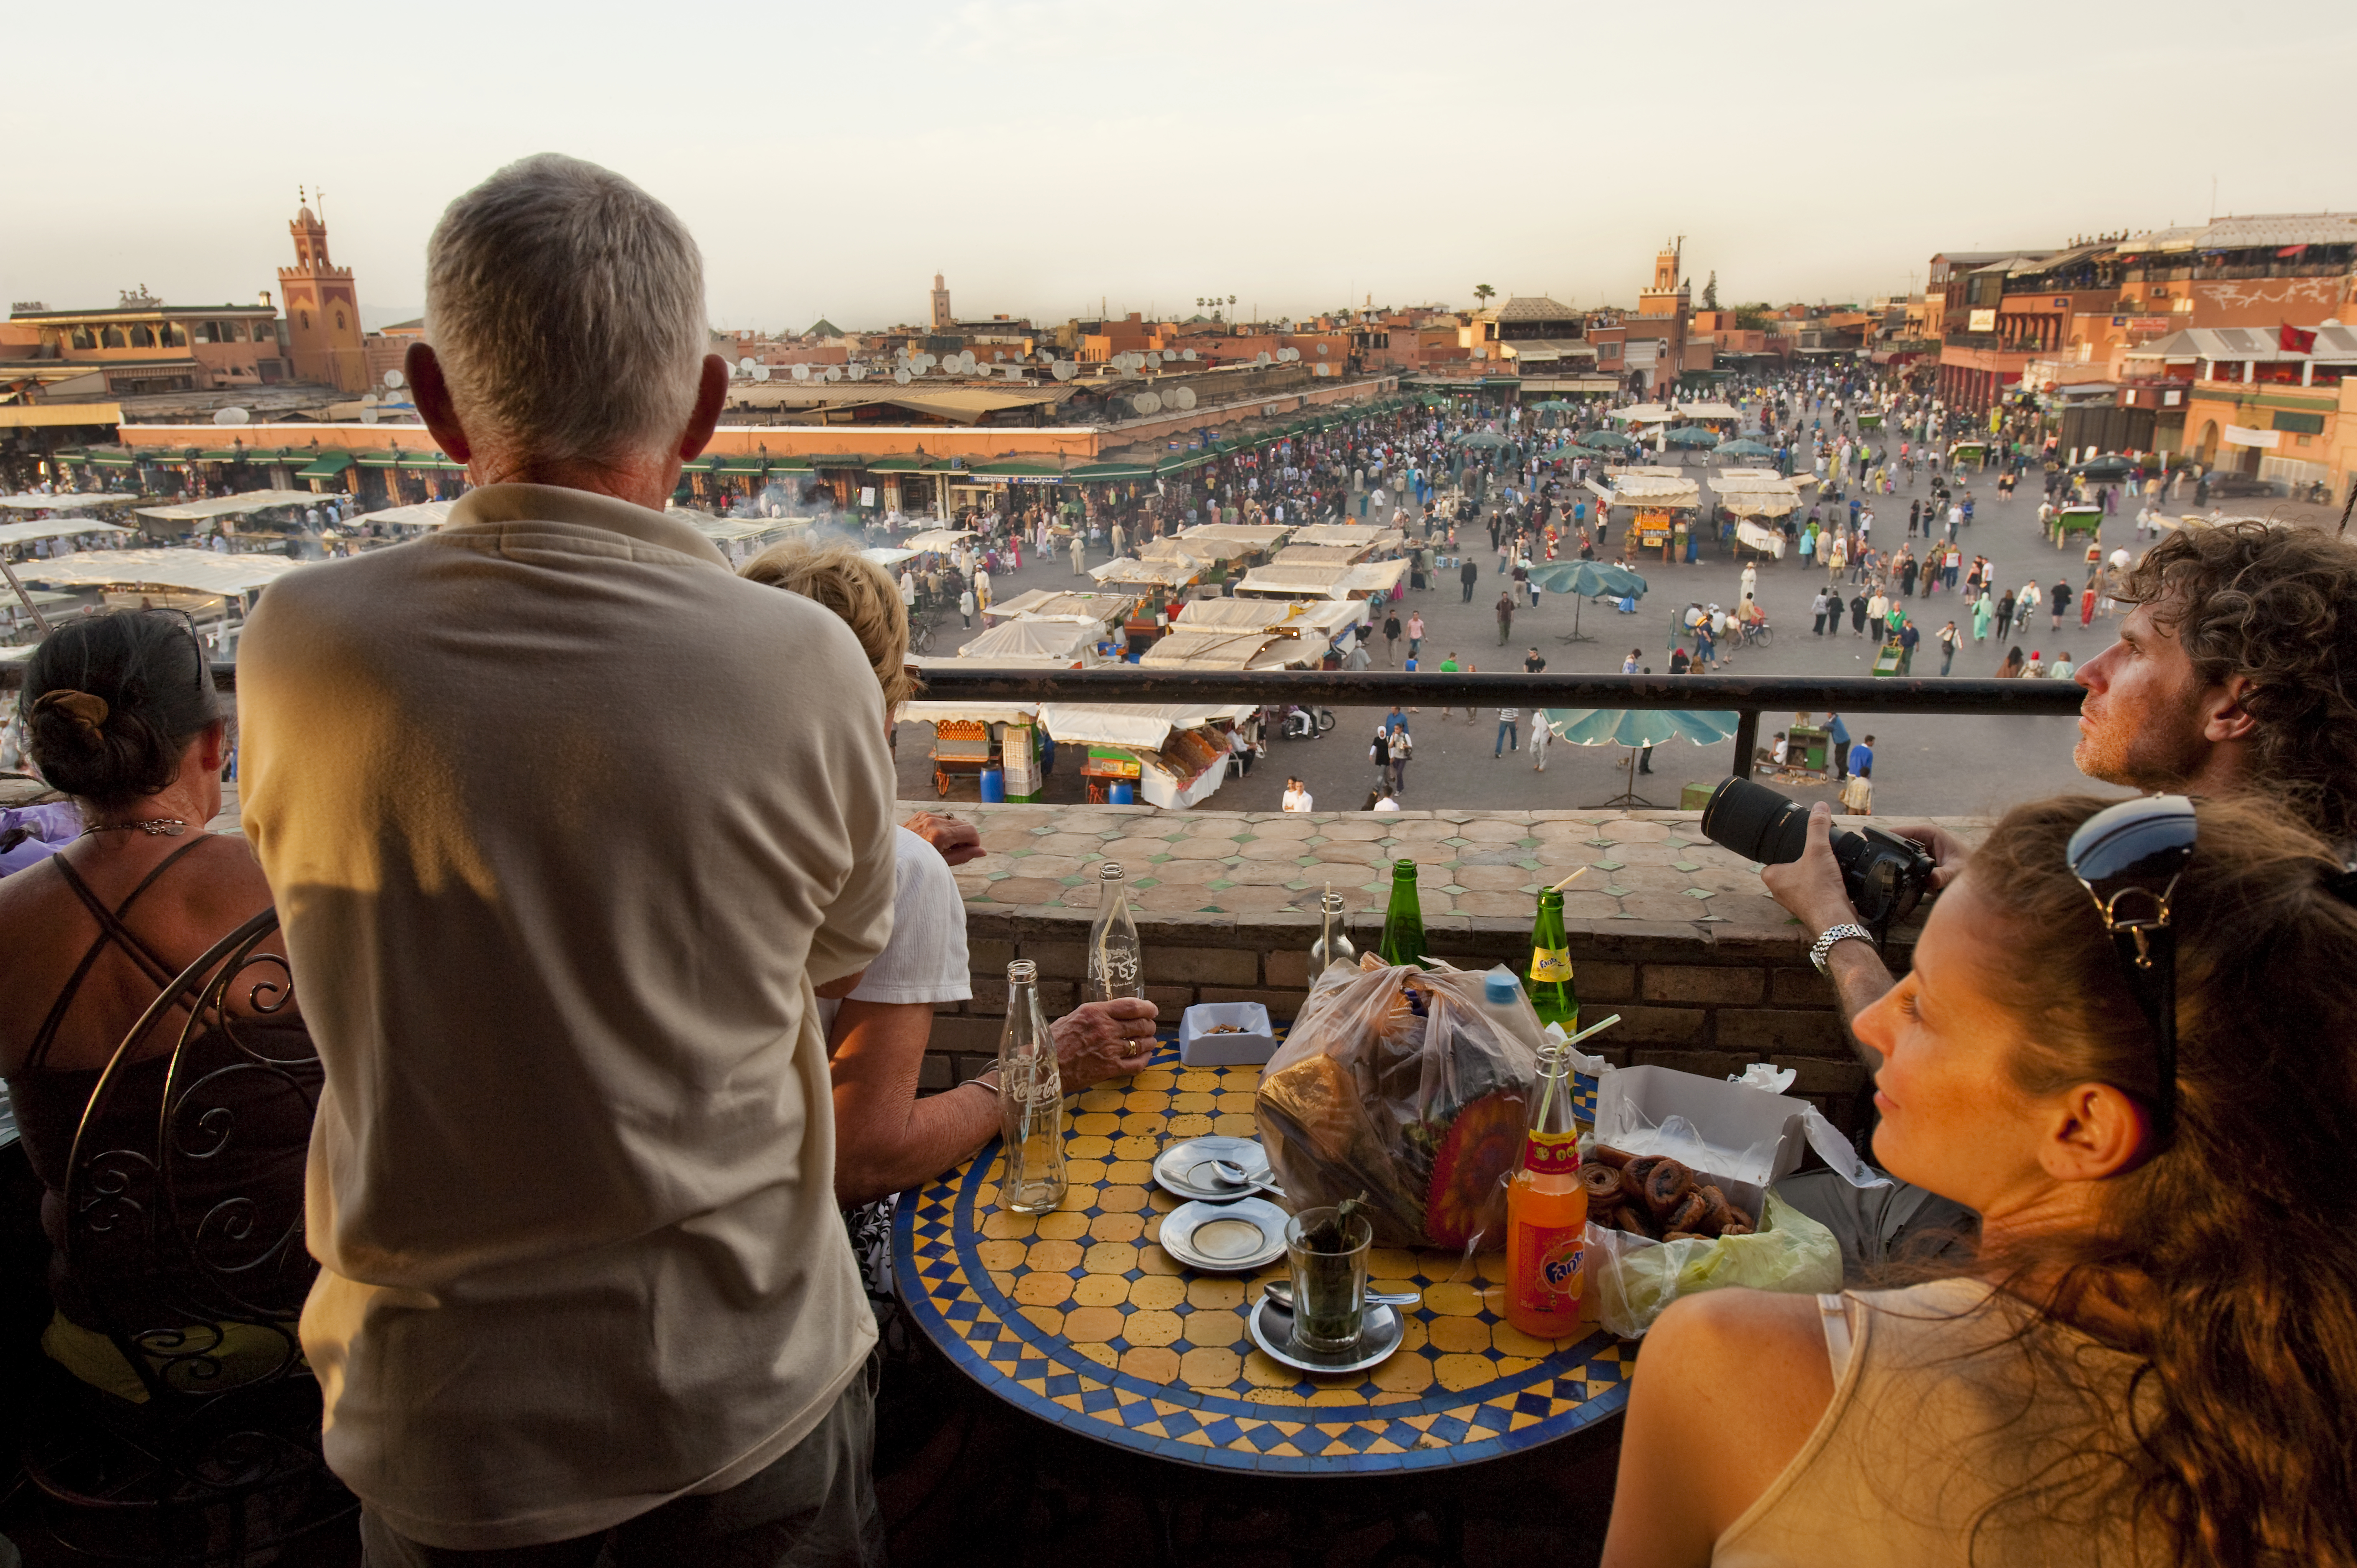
(1690, 435)
(1637, 728)
(1589, 580)
(1608, 441)
(1480, 438)
(1746, 448)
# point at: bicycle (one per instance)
(1761, 635)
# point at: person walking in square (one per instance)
(1949, 639)
(1510, 732)
(1505, 618)
(1415, 633)
(1391, 629)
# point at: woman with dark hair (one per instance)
(2123, 1044)
(121, 716)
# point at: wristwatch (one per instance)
(1840, 933)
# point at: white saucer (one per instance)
(1381, 1332)
(1225, 1238)
(1183, 1169)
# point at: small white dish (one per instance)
(1382, 1331)
(1225, 1238)
(1249, 1041)
(1183, 1169)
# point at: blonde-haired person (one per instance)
(886, 1137)
(2152, 1355)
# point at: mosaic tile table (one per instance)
(1079, 1318)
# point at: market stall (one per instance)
(971, 739)
(2082, 518)
(1108, 610)
(1367, 580)
(1753, 496)
(1322, 627)
(1064, 642)
(1172, 757)
(223, 510)
(1156, 584)
(1663, 502)
(421, 516)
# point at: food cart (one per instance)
(1972, 451)
(1752, 495)
(1870, 419)
(1155, 584)
(1173, 757)
(972, 738)
(1663, 501)
(2078, 518)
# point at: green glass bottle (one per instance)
(1403, 940)
(1548, 980)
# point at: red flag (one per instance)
(2293, 340)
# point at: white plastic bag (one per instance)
(1635, 1280)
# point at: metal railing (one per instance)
(1747, 696)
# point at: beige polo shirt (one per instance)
(566, 821)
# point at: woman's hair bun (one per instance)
(112, 700)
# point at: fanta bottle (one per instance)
(1547, 1214)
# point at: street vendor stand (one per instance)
(1108, 610)
(1974, 451)
(1657, 497)
(1754, 496)
(1322, 629)
(972, 738)
(1367, 580)
(1173, 755)
(1156, 584)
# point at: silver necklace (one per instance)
(153, 827)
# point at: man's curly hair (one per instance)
(2278, 605)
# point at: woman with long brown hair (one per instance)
(2124, 1043)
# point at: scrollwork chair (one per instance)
(184, 1244)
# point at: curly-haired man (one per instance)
(2235, 673)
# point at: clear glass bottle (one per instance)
(1030, 1100)
(1403, 940)
(1333, 945)
(1554, 996)
(1114, 961)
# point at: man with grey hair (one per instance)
(583, 1283)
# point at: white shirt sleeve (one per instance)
(925, 961)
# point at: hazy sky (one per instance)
(1045, 155)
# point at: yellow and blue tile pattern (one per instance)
(1079, 1317)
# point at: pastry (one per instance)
(1690, 1216)
(1603, 1184)
(1316, 1094)
(1663, 1186)
(1606, 1155)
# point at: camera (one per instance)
(1884, 875)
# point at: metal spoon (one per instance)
(1281, 1291)
(1235, 1174)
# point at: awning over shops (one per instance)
(1140, 725)
(230, 506)
(425, 514)
(191, 571)
(53, 527)
(326, 465)
(989, 712)
(83, 502)
(939, 538)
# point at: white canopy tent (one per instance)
(884, 556)
(423, 514)
(1306, 619)
(1172, 571)
(1356, 535)
(1071, 642)
(230, 506)
(1213, 648)
(1367, 579)
(1131, 724)
(54, 528)
(77, 503)
(1105, 609)
(191, 571)
(1260, 537)
(1711, 411)
(924, 712)
(938, 539)
(1644, 414)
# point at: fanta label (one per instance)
(1562, 1256)
(1554, 1153)
(1550, 965)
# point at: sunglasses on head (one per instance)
(2128, 857)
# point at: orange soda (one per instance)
(1546, 1215)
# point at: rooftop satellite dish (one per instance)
(760, 372)
(1187, 355)
(802, 372)
(1321, 350)
(1155, 360)
(1184, 397)
(368, 400)
(1062, 369)
(858, 372)
(966, 361)
(1014, 373)
(1261, 358)
(368, 416)
(393, 378)
(232, 416)
(746, 364)
(900, 378)
(998, 354)
(835, 372)
(1147, 402)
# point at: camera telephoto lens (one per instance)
(1756, 822)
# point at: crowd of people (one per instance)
(612, 1063)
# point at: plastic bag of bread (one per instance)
(1399, 1084)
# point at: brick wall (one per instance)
(1690, 996)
